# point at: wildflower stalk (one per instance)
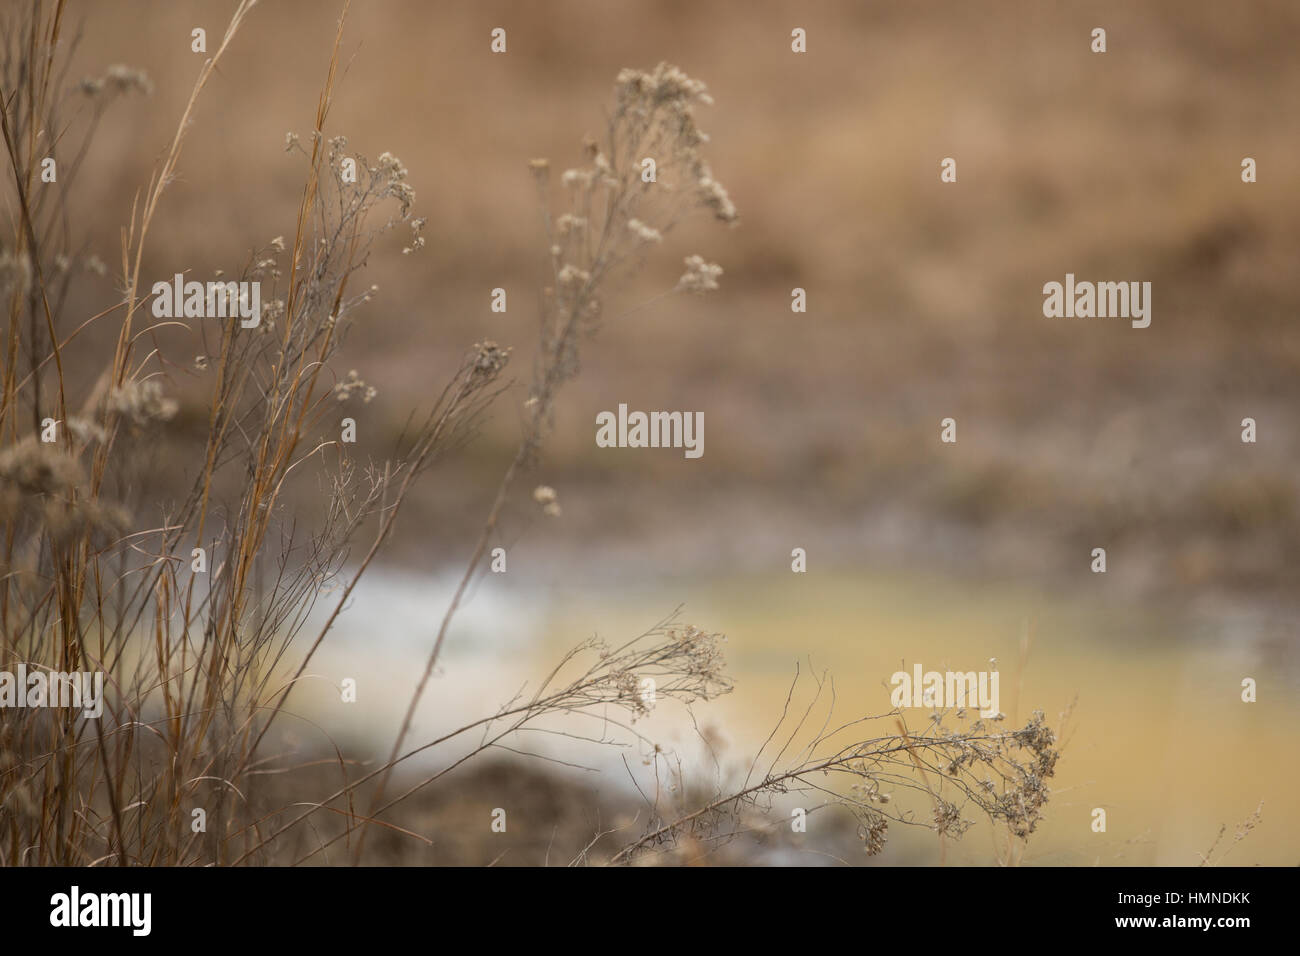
(653, 109)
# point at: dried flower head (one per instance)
(15, 275)
(124, 79)
(142, 403)
(700, 276)
(417, 237)
(354, 385)
(489, 359)
(644, 232)
(86, 431)
(36, 468)
(874, 833)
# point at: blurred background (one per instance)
(822, 429)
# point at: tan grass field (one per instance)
(924, 301)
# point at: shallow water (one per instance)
(1159, 736)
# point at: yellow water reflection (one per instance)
(1160, 737)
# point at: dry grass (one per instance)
(201, 665)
